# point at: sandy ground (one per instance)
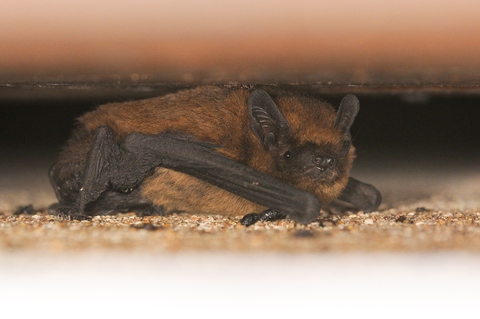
(389, 230)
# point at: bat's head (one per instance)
(314, 152)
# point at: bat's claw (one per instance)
(268, 215)
(250, 219)
(71, 213)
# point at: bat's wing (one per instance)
(125, 165)
(363, 196)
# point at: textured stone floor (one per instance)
(388, 230)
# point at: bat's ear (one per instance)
(347, 111)
(267, 121)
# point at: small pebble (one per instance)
(146, 226)
(368, 221)
(400, 219)
(304, 233)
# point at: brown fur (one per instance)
(216, 115)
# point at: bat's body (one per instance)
(212, 150)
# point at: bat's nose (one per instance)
(324, 162)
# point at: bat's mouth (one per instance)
(322, 173)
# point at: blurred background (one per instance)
(255, 41)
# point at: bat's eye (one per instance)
(287, 155)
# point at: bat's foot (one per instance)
(250, 219)
(25, 210)
(71, 213)
(268, 215)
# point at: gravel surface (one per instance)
(389, 230)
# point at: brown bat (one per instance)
(214, 150)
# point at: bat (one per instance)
(237, 151)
